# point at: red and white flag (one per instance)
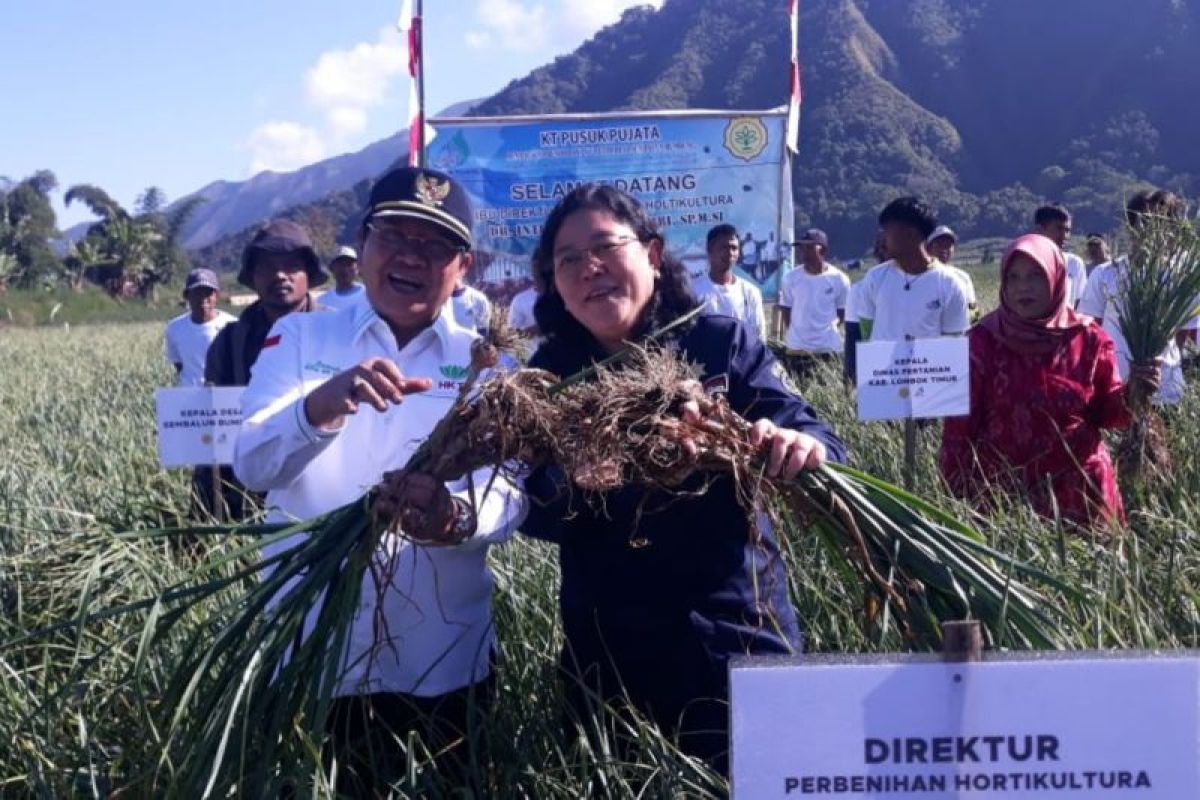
(410, 23)
(797, 95)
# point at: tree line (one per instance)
(127, 252)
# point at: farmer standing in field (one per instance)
(188, 336)
(1054, 222)
(812, 305)
(724, 292)
(1035, 352)
(1103, 299)
(913, 295)
(346, 290)
(942, 243)
(661, 588)
(471, 307)
(338, 400)
(280, 265)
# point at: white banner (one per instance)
(197, 425)
(914, 379)
(1069, 726)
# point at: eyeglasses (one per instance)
(433, 252)
(572, 262)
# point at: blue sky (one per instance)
(127, 94)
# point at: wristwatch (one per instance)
(464, 522)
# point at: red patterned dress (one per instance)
(1035, 425)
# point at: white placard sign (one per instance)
(915, 379)
(197, 424)
(1081, 726)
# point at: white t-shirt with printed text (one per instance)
(740, 299)
(187, 342)
(902, 306)
(814, 301)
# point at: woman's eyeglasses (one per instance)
(572, 262)
(433, 252)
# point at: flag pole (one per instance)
(419, 28)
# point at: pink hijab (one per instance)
(1035, 336)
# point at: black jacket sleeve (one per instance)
(218, 365)
(759, 386)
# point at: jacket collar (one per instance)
(444, 327)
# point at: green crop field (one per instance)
(79, 708)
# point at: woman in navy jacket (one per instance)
(659, 589)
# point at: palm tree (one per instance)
(132, 254)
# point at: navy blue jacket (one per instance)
(672, 584)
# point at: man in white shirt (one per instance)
(912, 295)
(471, 307)
(1103, 300)
(521, 317)
(725, 293)
(334, 403)
(346, 290)
(188, 336)
(1054, 222)
(1097, 252)
(812, 304)
(941, 245)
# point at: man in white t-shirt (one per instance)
(722, 291)
(812, 304)
(1097, 252)
(941, 246)
(912, 295)
(521, 317)
(1103, 300)
(471, 307)
(1054, 222)
(189, 335)
(346, 290)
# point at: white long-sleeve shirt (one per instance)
(436, 601)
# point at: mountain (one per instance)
(234, 205)
(985, 107)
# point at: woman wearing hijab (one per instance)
(1044, 384)
(660, 588)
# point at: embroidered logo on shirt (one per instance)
(784, 376)
(717, 384)
(271, 341)
(454, 372)
(321, 367)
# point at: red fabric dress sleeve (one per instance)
(1107, 408)
(959, 434)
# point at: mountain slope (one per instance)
(985, 107)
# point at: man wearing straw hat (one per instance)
(338, 401)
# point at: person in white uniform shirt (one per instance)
(941, 244)
(339, 400)
(1097, 252)
(722, 290)
(346, 289)
(470, 306)
(520, 310)
(188, 336)
(912, 295)
(1103, 300)
(1054, 222)
(812, 304)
